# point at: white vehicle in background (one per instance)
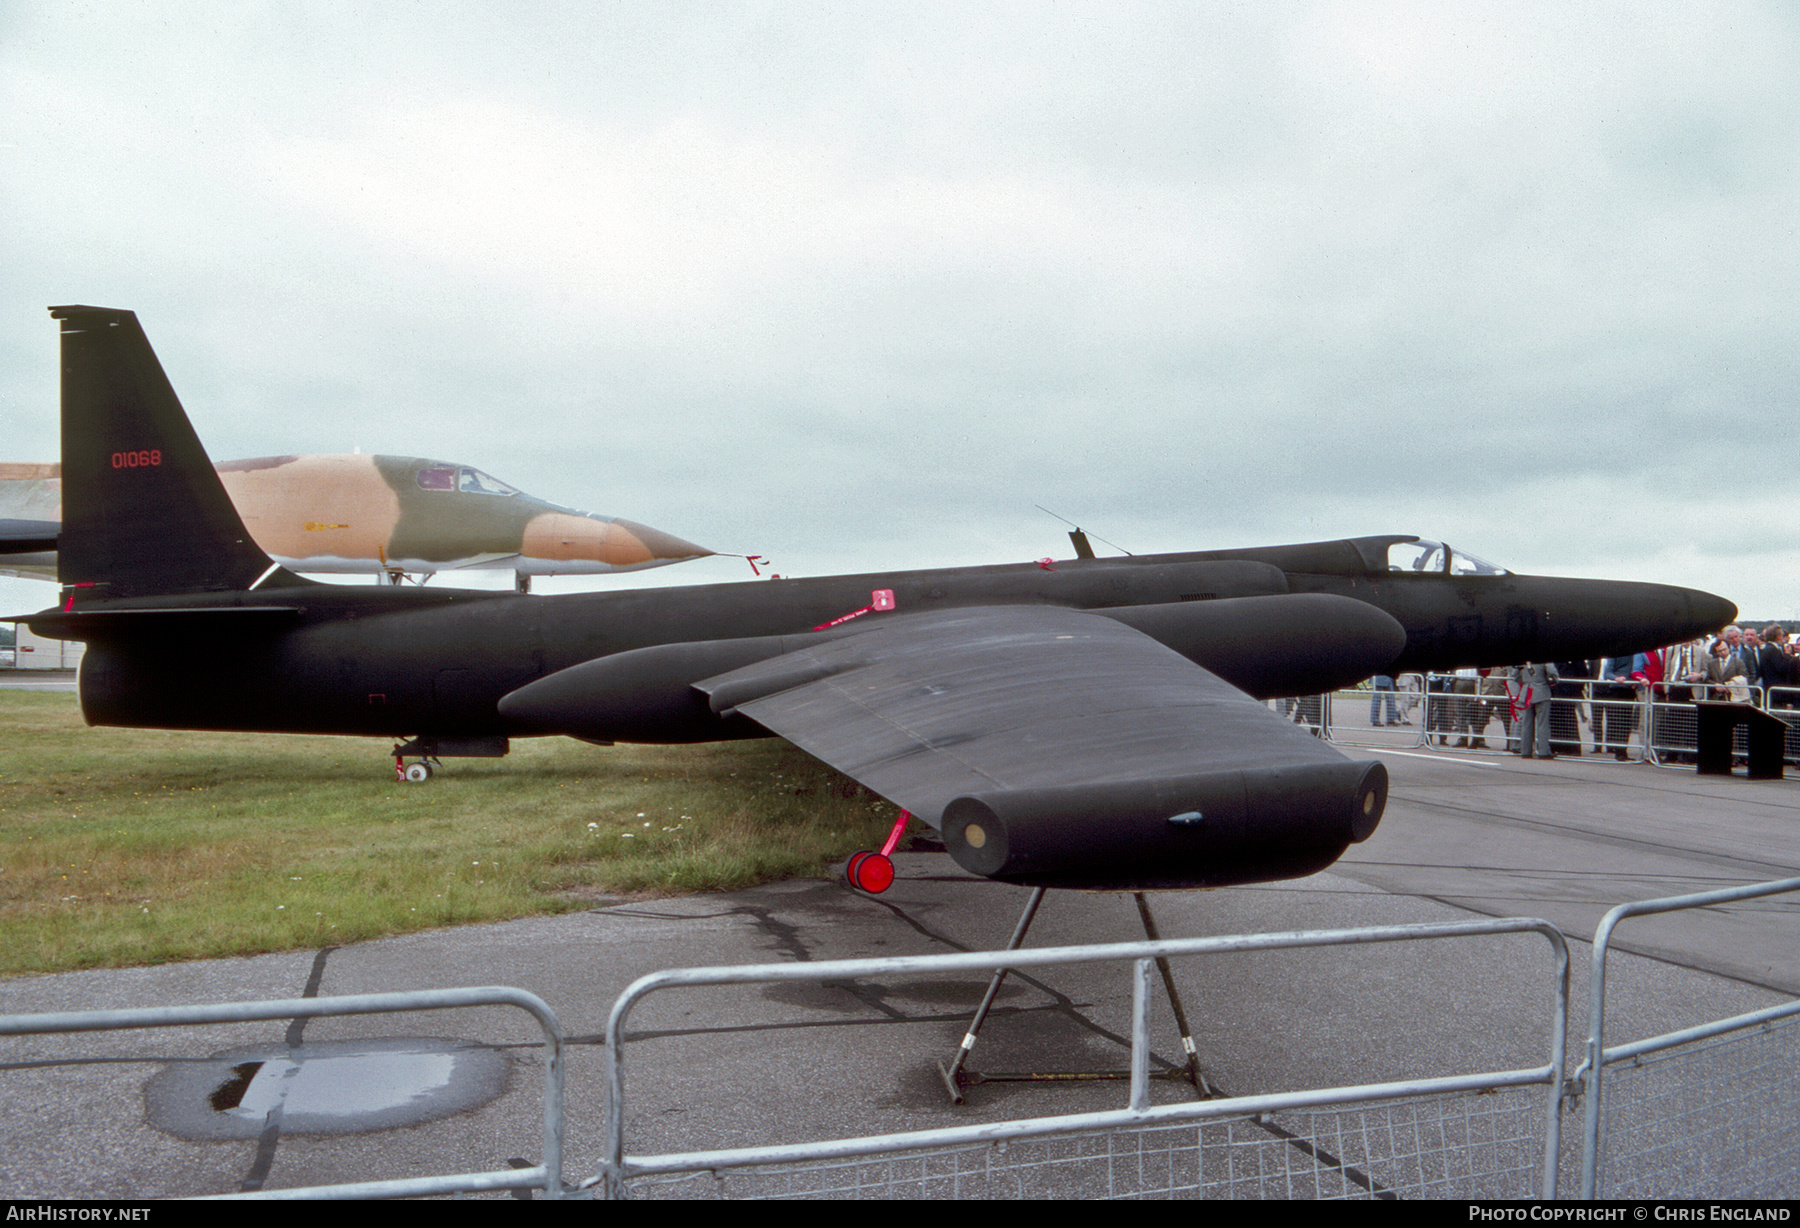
(35, 652)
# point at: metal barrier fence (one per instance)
(1675, 723)
(1656, 724)
(1469, 1143)
(1707, 1112)
(1603, 719)
(1472, 713)
(1708, 1116)
(1674, 716)
(1784, 702)
(1462, 1136)
(1396, 715)
(1710, 1111)
(546, 1176)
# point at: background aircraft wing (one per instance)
(1061, 747)
(28, 536)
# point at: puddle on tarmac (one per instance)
(338, 1087)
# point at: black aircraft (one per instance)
(1090, 723)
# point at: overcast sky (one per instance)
(854, 287)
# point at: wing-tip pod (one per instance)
(1248, 825)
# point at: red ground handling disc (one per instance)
(870, 872)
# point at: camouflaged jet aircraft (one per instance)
(1092, 723)
(386, 516)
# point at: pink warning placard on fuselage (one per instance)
(880, 599)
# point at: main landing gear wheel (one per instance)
(874, 872)
(421, 771)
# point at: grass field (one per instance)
(127, 846)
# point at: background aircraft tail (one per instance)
(144, 513)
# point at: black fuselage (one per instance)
(403, 661)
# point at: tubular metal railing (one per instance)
(619, 1168)
(1589, 1077)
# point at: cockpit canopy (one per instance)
(1383, 554)
(468, 481)
(1417, 554)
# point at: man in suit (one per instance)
(1531, 687)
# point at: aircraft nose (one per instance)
(1707, 612)
(616, 543)
(660, 545)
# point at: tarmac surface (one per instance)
(1467, 834)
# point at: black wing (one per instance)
(1058, 747)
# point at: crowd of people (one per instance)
(1739, 658)
(1605, 697)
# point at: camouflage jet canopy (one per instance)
(362, 515)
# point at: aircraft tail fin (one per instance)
(144, 513)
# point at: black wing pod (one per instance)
(1217, 829)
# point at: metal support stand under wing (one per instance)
(957, 1077)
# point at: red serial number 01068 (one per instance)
(136, 460)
